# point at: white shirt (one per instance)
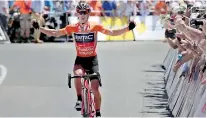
(4, 4)
(121, 5)
(129, 8)
(174, 5)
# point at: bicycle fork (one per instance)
(88, 109)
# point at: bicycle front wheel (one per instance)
(85, 106)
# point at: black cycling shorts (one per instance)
(89, 64)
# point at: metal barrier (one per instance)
(186, 98)
(3, 35)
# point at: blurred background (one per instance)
(36, 84)
(56, 14)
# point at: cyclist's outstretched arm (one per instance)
(52, 32)
(117, 32)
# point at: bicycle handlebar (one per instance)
(83, 76)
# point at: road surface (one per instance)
(36, 81)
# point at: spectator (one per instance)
(144, 6)
(11, 3)
(58, 5)
(37, 10)
(4, 11)
(96, 7)
(160, 8)
(48, 6)
(109, 8)
(170, 33)
(25, 17)
(192, 41)
(126, 8)
(70, 6)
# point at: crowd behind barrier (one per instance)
(185, 63)
(187, 95)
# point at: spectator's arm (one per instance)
(189, 32)
(192, 30)
(183, 36)
(187, 44)
(172, 43)
(185, 58)
(202, 46)
(186, 28)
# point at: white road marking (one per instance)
(3, 73)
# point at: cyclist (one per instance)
(85, 36)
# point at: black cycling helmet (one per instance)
(83, 6)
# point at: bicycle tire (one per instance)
(85, 103)
(91, 104)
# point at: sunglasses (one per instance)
(83, 12)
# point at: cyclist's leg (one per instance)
(95, 85)
(97, 95)
(78, 70)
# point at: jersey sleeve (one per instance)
(67, 30)
(103, 30)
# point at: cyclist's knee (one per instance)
(78, 71)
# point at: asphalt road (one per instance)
(36, 80)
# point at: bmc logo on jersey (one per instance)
(83, 38)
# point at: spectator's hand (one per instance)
(204, 26)
(37, 14)
(46, 8)
(168, 24)
(162, 10)
(180, 35)
(35, 24)
(186, 44)
(132, 25)
(179, 21)
(203, 81)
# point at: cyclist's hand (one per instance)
(35, 24)
(132, 25)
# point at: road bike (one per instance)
(88, 105)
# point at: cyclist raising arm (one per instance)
(85, 36)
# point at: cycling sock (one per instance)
(98, 113)
(79, 97)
